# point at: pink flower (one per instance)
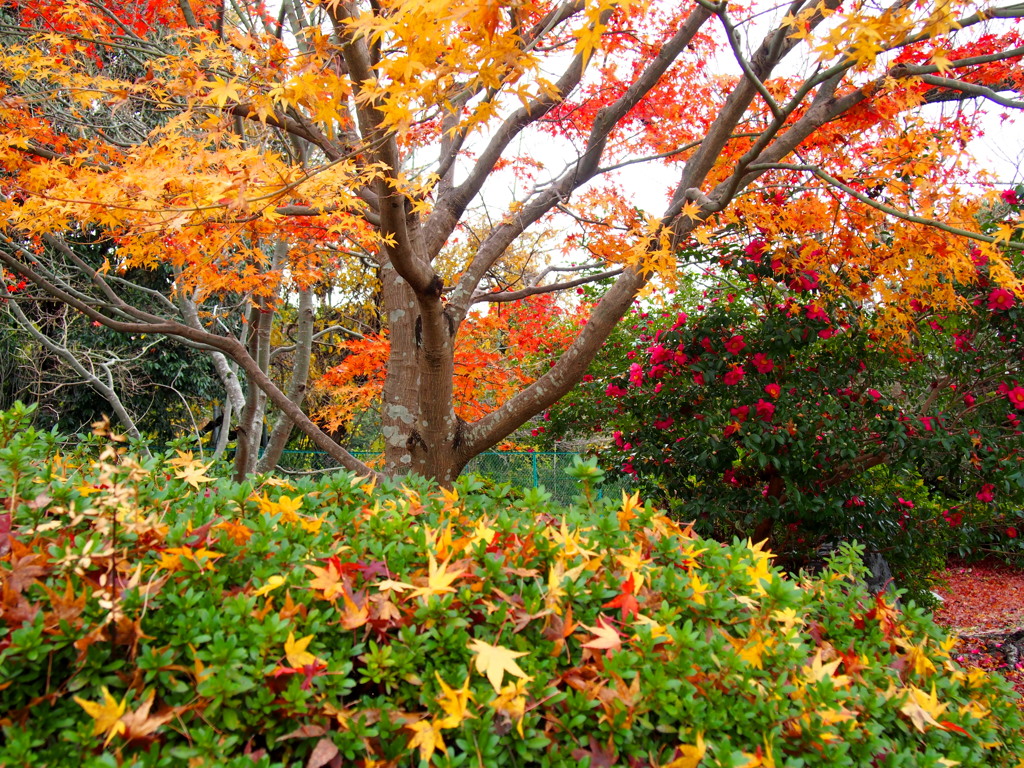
(773, 390)
(926, 421)
(755, 250)
(665, 423)
(698, 379)
(735, 344)
(659, 354)
(762, 363)
(1009, 196)
(826, 333)
(734, 375)
(1001, 298)
(765, 410)
(985, 494)
(969, 400)
(636, 374)
(740, 412)
(814, 312)
(1016, 396)
(977, 257)
(875, 395)
(614, 390)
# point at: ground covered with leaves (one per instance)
(983, 605)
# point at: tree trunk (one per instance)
(297, 386)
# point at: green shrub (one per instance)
(151, 615)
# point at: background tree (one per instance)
(358, 136)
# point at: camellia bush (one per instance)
(152, 614)
(773, 408)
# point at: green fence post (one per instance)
(536, 476)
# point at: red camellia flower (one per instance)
(659, 354)
(614, 390)
(636, 374)
(814, 312)
(740, 412)
(735, 344)
(763, 363)
(875, 394)
(665, 423)
(927, 423)
(1009, 196)
(765, 410)
(773, 390)
(1016, 396)
(731, 428)
(698, 379)
(985, 494)
(734, 375)
(1001, 298)
(1011, 532)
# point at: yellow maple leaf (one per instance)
(691, 210)
(193, 473)
(221, 91)
(690, 754)
(106, 714)
(427, 738)
(296, 653)
(454, 702)
(272, 583)
(511, 702)
(439, 580)
(495, 660)
(922, 708)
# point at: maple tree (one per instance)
(262, 154)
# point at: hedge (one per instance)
(152, 614)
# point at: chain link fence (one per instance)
(520, 469)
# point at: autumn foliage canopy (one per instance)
(407, 150)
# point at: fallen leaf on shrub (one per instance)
(24, 572)
(511, 703)
(139, 724)
(296, 653)
(626, 600)
(272, 583)
(323, 753)
(354, 616)
(171, 558)
(454, 702)
(606, 638)
(494, 661)
(922, 708)
(439, 580)
(106, 714)
(690, 755)
(427, 738)
(600, 757)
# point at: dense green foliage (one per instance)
(154, 615)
